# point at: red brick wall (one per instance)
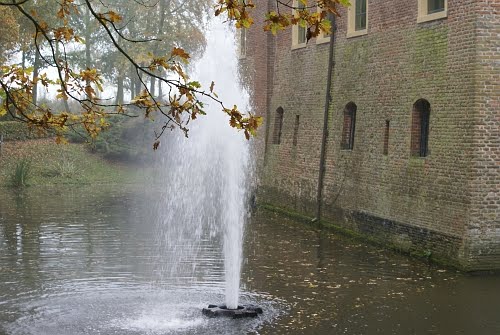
(296, 82)
(385, 72)
(257, 76)
(483, 235)
(446, 203)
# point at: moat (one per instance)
(87, 260)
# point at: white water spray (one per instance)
(207, 173)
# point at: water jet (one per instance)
(207, 180)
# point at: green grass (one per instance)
(51, 164)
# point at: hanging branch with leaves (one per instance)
(311, 15)
(184, 100)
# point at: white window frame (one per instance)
(322, 38)
(295, 32)
(351, 20)
(423, 12)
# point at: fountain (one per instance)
(108, 260)
(214, 311)
(208, 178)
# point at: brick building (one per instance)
(412, 133)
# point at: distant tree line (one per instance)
(140, 48)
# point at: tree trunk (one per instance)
(88, 60)
(132, 82)
(152, 85)
(36, 70)
(160, 88)
(65, 102)
(119, 90)
(23, 64)
(138, 83)
(163, 5)
(161, 24)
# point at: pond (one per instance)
(89, 260)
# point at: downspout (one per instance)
(328, 98)
(270, 40)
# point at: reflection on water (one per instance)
(339, 286)
(84, 261)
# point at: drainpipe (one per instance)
(328, 98)
(270, 40)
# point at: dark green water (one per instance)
(91, 261)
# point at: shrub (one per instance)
(67, 168)
(21, 173)
(126, 140)
(17, 131)
(77, 135)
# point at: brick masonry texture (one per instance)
(446, 204)
(483, 229)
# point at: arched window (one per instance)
(348, 129)
(296, 131)
(420, 128)
(386, 137)
(278, 125)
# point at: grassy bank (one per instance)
(47, 163)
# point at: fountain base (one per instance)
(245, 311)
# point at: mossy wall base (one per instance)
(415, 242)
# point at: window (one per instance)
(420, 128)
(360, 15)
(278, 125)
(386, 137)
(296, 130)
(434, 6)
(243, 42)
(347, 142)
(429, 10)
(357, 18)
(299, 38)
(323, 37)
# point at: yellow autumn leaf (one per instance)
(114, 17)
(179, 52)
